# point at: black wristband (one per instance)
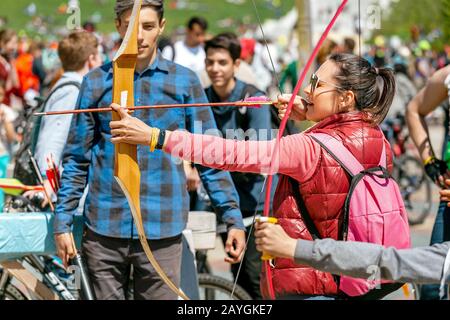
(436, 168)
(161, 139)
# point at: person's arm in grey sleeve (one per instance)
(357, 259)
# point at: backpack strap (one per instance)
(37, 125)
(309, 223)
(339, 153)
(62, 85)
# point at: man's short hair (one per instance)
(228, 41)
(124, 5)
(75, 49)
(201, 22)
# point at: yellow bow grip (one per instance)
(265, 256)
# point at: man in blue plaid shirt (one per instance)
(110, 242)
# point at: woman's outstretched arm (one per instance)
(297, 156)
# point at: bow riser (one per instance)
(126, 167)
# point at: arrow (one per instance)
(14, 187)
(251, 103)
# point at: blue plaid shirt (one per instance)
(89, 158)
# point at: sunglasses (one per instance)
(314, 83)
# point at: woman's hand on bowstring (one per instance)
(129, 129)
(299, 108)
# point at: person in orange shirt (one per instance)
(24, 66)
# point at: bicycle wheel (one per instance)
(415, 188)
(216, 288)
(12, 293)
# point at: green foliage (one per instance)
(222, 15)
(446, 20)
(426, 14)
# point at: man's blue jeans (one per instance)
(441, 233)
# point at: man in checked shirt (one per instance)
(110, 242)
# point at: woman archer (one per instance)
(348, 98)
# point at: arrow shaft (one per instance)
(25, 188)
(253, 104)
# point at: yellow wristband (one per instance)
(428, 160)
(154, 139)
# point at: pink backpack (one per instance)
(374, 212)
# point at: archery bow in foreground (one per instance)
(126, 168)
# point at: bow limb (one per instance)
(126, 167)
(275, 155)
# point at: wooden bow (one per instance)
(126, 167)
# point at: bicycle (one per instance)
(56, 283)
(211, 286)
(53, 280)
(50, 281)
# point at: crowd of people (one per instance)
(353, 88)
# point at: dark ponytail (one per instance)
(374, 88)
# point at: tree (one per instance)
(428, 15)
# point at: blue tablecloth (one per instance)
(30, 233)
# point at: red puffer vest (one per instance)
(324, 195)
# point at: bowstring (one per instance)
(258, 17)
(275, 74)
(268, 175)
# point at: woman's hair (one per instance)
(374, 88)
